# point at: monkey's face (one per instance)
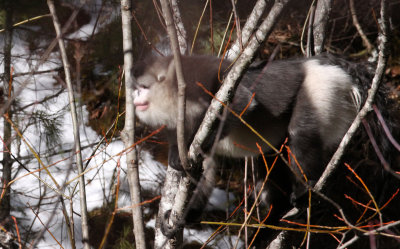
(141, 101)
(155, 96)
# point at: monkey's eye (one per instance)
(160, 77)
(141, 86)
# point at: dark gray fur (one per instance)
(281, 106)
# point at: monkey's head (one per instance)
(157, 89)
(155, 94)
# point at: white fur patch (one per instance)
(356, 95)
(163, 110)
(241, 141)
(229, 146)
(157, 115)
(333, 96)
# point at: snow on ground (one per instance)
(29, 191)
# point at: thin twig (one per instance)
(144, 34)
(255, 189)
(245, 200)
(128, 134)
(360, 31)
(380, 69)
(175, 46)
(310, 38)
(42, 59)
(198, 26)
(332, 166)
(173, 176)
(303, 31)
(248, 29)
(385, 128)
(28, 20)
(237, 21)
(224, 36)
(68, 80)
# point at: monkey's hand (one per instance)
(173, 158)
(166, 229)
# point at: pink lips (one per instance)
(141, 106)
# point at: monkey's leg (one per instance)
(173, 157)
(305, 142)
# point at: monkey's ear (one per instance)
(160, 77)
(170, 74)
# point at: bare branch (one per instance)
(40, 62)
(187, 183)
(237, 22)
(349, 242)
(225, 93)
(198, 26)
(325, 179)
(7, 162)
(173, 177)
(248, 29)
(386, 129)
(82, 187)
(379, 72)
(129, 129)
(322, 14)
(168, 200)
(181, 83)
(360, 31)
(310, 15)
(180, 28)
(310, 40)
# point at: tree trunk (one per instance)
(7, 162)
